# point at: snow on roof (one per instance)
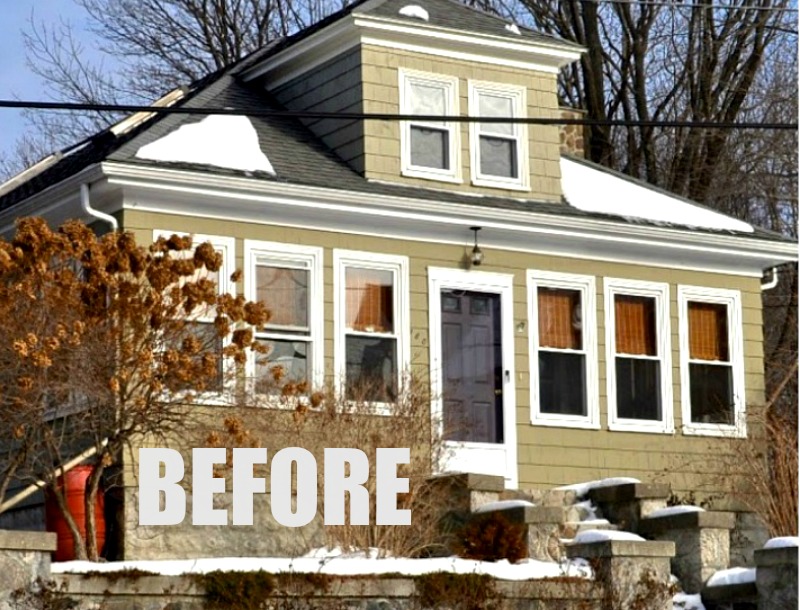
(581, 489)
(341, 564)
(687, 601)
(594, 190)
(603, 535)
(513, 28)
(221, 140)
(782, 542)
(732, 576)
(675, 510)
(415, 11)
(502, 505)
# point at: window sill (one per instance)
(430, 175)
(511, 185)
(584, 424)
(717, 430)
(656, 427)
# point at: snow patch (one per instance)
(732, 576)
(502, 505)
(588, 510)
(513, 28)
(686, 601)
(415, 11)
(581, 489)
(604, 535)
(221, 140)
(594, 190)
(782, 542)
(675, 510)
(337, 562)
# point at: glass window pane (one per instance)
(428, 99)
(711, 388)
(291, 356)
(371, 368)
(498, 157)
(708, 331)
(285, 293)
(638, 389)
(560, 318)
(562, 383)
(496, 106)
(430, 147)
(635, 321)
(370, 300)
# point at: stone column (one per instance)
(776, 577)
(24, 558)
(634, 574)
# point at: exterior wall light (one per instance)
(476, 258)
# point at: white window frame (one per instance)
(586, 286)
(398, 265)
(732, 299)
(450, 86)
(518, 96)
(226, 246)
(293, 255)
(660, 292)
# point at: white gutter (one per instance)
(773, 282)
(34, 487)
(96, 213)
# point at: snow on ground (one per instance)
(221, 140)
(675, 510)
(335, 562)
(415, 11)
(594, 190)
(502, 505)
(603, 535)
(686, 601)
(732, 576)
(782, 542)
(581, 489)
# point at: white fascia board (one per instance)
(255, 201)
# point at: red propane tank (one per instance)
(74, 482)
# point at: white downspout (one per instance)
(96, 213)
(773, 282)
(34, 487)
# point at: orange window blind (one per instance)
(369, 300)
(285, 293)
(635, 321)
(559, 318)
(708, 331)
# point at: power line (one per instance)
(357, 116)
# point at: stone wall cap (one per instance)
(16, 540)
(528, 514)
(621, 548)
(688, 520)
(786, 555)
(738, 592)
(625, 492)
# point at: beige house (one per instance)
(608, 329)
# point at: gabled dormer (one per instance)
(428, 57)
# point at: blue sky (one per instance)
(16, 79)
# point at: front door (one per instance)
(472, 371)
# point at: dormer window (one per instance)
(499, 150)
(429, 149)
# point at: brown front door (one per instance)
(472, 366)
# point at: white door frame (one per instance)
(483, 458)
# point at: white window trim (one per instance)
(291, 253)
(450, 85)
(586, 285)
(227, 247)
(659, 291)
(518, 95)
(371, 260)
(733, 300)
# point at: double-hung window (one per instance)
(712, 369)
(287, 279)
(562, 313)
(200, 323)
(499, 150)
(371, 319)
(638, 361)
(429, 149)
